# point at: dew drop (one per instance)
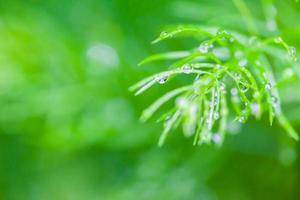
(293, 53)
(255, 108)
(268, 86)
(208, 121)
(242, 119)
(243, 63)
(197, 77)
(216, 102)
(167, 121)
(187, 69)
(212, 103)
(218, 66)
(222, 86)
(164, 34)
(205, 47)
(278, 40)
(244, 88)
(216, 115)
(274, 100)
(222, 32)
(216, 138)
(234, 91)
(237, 76)
(162, 79)
(181, 102)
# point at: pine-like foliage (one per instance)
(233, 79)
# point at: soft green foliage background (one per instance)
(69, 127)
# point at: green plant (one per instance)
(227, 67)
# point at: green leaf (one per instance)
(185, 30)
(150, 81)
(158, 103)
(165, 56)
(168, 128)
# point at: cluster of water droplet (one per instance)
(224, 35)
(243, 117)
(274, 100)
(292, 51)
(236, 67)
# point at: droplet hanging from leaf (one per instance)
(187, 69)
(162, 79)
(293, 53)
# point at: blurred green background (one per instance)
(69, 128)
